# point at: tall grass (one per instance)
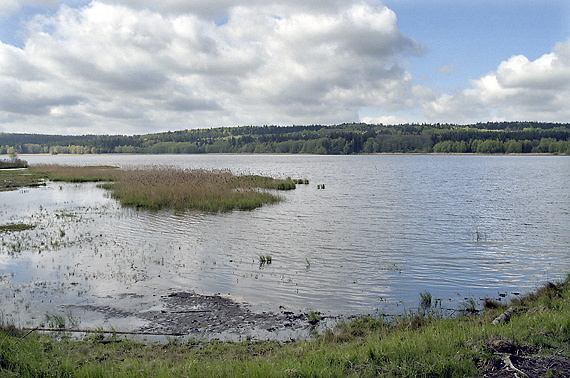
(180, 189)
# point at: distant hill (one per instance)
(354, 138)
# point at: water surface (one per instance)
(384, 229)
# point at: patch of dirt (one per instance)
(515, 361)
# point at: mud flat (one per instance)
(188, 315)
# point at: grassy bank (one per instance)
(179, 189)
(535, 341)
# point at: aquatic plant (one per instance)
(313, 317)
(425, 300)
(14, 179)
(479, 236)
(267, 259)
(469, 306)
(54, 321)
(11, 227)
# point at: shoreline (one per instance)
(528, 339)
(300, 154)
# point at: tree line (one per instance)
(354, 138)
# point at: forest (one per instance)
(353, 138)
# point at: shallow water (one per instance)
(384, 229)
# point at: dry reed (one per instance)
(180, 189)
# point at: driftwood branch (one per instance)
(505, 316)
(73, 330)
(509, 364)
(30, 331)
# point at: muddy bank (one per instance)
(189, 315)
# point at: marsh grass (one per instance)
(313, 317)
(15, 179)
(158, 188)
(415, 345)
(469, 306)
(15, 227)
(265, 259)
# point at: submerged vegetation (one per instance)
(353, 138)
(532, 341)
(15, 179)
(173, 188)
(14, 227)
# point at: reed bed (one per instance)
(174, 188)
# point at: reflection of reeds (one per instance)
(157, 188)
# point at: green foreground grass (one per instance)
(161, 187)
(423, 344)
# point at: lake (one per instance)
(384, 229)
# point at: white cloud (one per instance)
(518, 90)
(384, 120)
(112, 68)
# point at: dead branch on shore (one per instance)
(505, 316)
(74, 330)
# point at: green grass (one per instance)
(417, 345)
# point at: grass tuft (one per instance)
(425, 300)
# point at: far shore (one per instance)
(278, 154)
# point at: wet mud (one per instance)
(209, 317)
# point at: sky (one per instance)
(143, 66)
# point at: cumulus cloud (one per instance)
(519, 89)
(145, 65)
